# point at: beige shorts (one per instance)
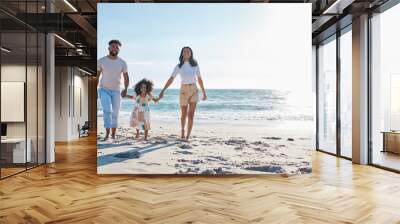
(188, 94)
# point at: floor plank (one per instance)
(70, 191)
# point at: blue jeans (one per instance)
(110, 102)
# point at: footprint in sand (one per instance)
(235, 142)
(257, 143)
(215, 158)
(268, 168)
(194, 162)
(258, 149)
(184, 152)
(272, 138)
(305, 170)
(185, 146)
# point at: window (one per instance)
(327, 96)
(385, 89)
(346, 94)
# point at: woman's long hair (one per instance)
(192, 62)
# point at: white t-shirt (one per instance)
(111, 72)
(187, 72)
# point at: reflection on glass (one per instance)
(346, 94)
(386, 89)
(13, 83)
(31, 97)
(22, 91)
(327, 96)
(394, 102)
(41, 99)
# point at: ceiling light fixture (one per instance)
(65, 41)
(70, 5)
(338, 6)
(5, 50)
(84, 71)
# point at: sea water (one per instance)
(231, 104)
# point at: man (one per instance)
(111, 68)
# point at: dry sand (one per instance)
(232, 147)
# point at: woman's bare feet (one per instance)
(183, 134)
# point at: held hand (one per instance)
(204, 97)
(124, 92)
(161, 95)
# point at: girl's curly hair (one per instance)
(149, 86)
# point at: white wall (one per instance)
(70, 83)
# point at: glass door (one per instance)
(327, 96)
(385, 89)
(346, 93)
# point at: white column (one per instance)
(360, 90)
(50, 101)
(50, 92)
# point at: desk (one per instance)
(391, 141)
(13, 150)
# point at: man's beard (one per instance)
(113, 53)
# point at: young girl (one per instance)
(140, 116)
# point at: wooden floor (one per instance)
(70, 191)
(387, 159)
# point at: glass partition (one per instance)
(385, 89)
(327, 96)
(41, 97)
(31, 98)
(22, 77)
(13, 117)
(346, 94)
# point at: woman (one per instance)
(188, 69)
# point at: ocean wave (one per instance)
(262, 105)
(223, 117)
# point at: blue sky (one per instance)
(260, 46)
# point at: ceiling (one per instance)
(75, 21)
